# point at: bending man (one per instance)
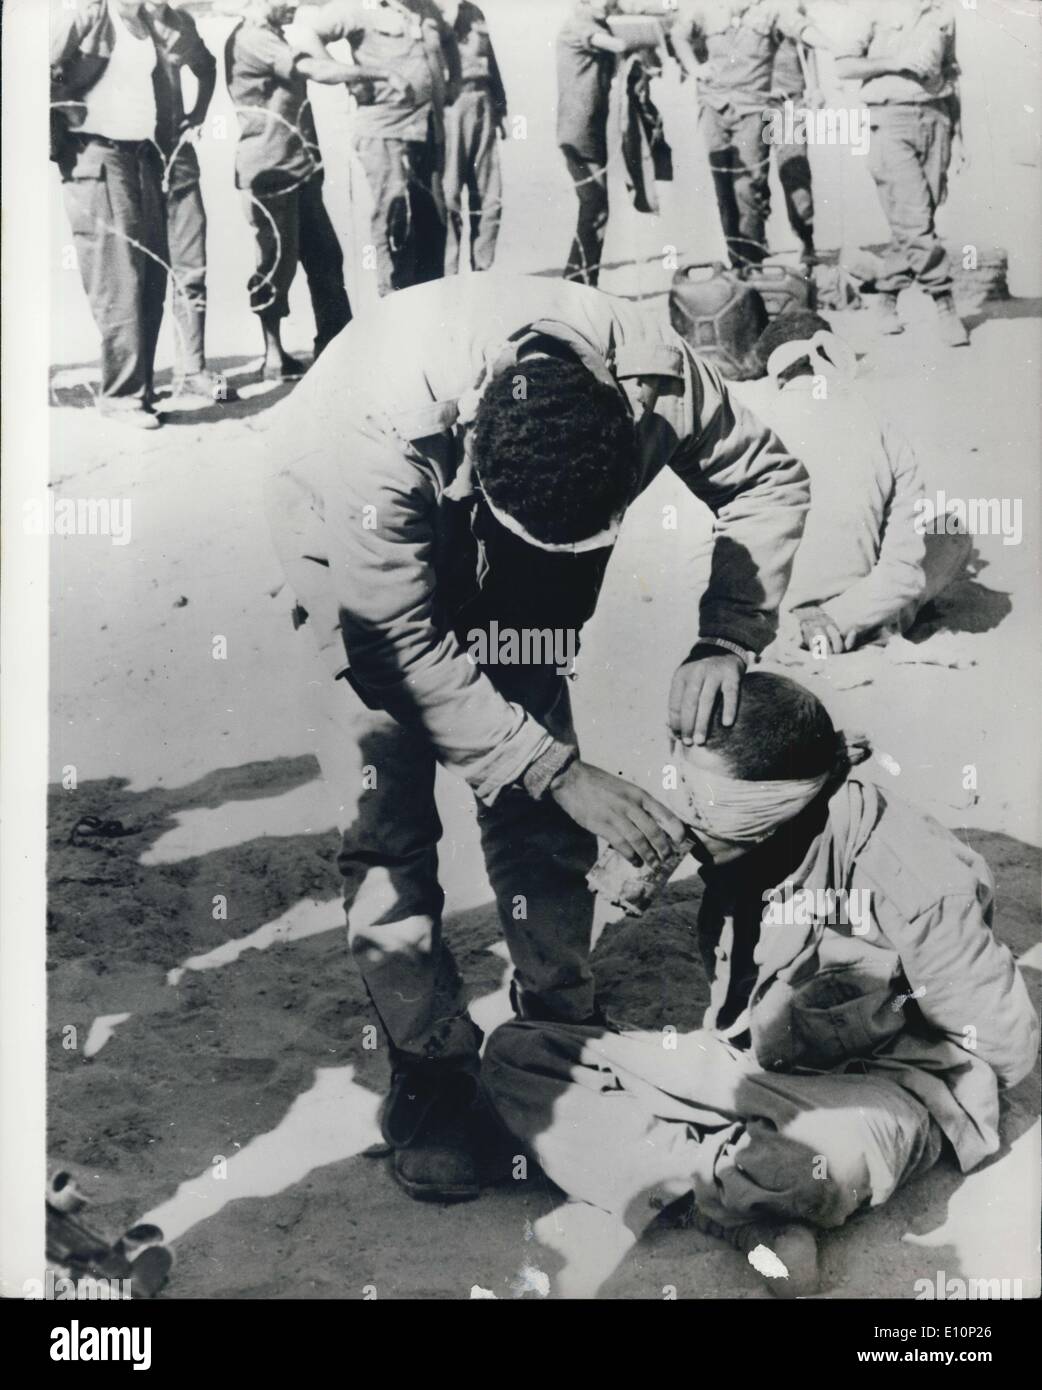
(455, 475)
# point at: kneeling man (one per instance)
(864, 569)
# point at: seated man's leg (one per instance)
(946, 557)
(563, 1093)
(814, 1149)
(626, 1125)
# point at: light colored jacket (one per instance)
(861, 556)
(371, 514)
(928, 995)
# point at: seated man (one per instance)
(862, 1016)
(864, 569)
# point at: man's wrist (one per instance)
(539, 777)
(564, 773)
(710, 646)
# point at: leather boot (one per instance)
(425, 1119)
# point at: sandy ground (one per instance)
(236, 1099)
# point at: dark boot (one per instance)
(425, 1119)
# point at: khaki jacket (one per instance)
(376, 522)
(927, 993)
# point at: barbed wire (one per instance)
(452, 205)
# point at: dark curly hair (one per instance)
(559, 456)
(781, 731)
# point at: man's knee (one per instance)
(409, 939)
(508, 1057)
(818, 1148)
(506, 1047)
(770, 1173)
(794, 172)
(594, 206)
(752, 192)
(523, 1055)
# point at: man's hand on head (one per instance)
(640, 828)
(710, 673)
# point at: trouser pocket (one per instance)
(87, 199)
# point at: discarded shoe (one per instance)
(138, 1263)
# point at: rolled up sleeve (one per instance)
(850, 36)
(377, 539)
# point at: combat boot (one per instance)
(426, 1121)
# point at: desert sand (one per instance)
(235, 1099)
